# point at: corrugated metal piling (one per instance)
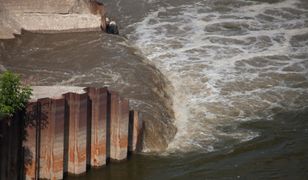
(68, 134)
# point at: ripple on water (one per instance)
(229, 62)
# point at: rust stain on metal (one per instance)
(77, 145)
(98, 98)
(30, 140)
(52, 132)
(68, 133)
(119, 118)
(135, 131)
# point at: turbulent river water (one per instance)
(238, 77)
(229, 62)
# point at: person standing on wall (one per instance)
(107, 25)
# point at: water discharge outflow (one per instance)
(229, 62)
(97, 60)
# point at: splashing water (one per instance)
(229, 62)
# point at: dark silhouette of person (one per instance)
(111, 27)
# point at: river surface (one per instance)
(238, 77)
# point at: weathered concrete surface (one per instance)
(119, 118)
(77, 105)
(39, 92)
(98, 100)
(48, 15)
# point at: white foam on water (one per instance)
(227, 68)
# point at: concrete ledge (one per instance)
(47, 15)
(57, 22)
(54, 91)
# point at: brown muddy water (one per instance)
(279, 153)
(96, 60)
(223, 84)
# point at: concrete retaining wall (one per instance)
(68, 134)
(47, 15)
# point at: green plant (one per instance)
(13, 95)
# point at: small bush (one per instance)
(13, 95)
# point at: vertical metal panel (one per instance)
(77, 110)
(58, 115)
(51, 138)
(46, 140)
(114, 121)
(63, 135)
(98, 99)
(124, 122)
(119, 118)
(30, 141)
(135, 131)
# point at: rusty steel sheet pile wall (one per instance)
(119, 118)
(10, 147)
(30, 142)
(66, 135)
(77, 105)
(135, 131)
(51, 138)
(98, 99)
